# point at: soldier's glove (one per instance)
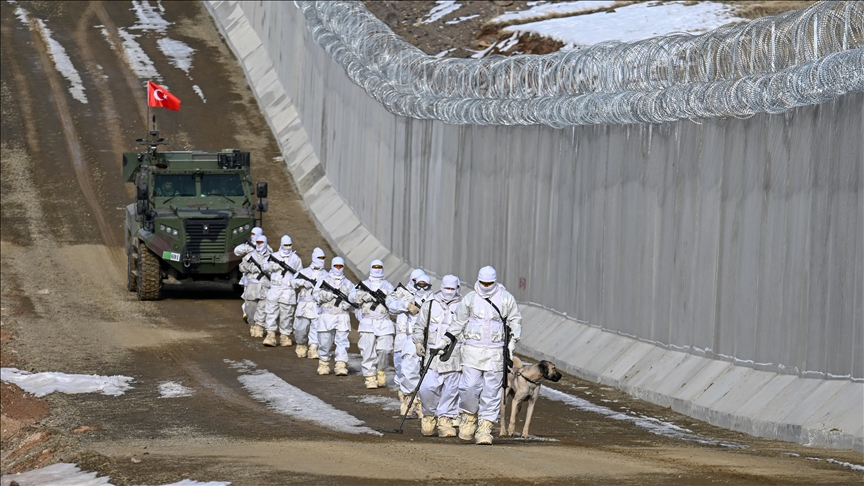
(511, 346)
(413, 309)
(325, 295)
(421, 351)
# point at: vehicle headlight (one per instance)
(161, 227)
(174, 232)
(234, 232)
(246, 227)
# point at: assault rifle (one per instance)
(284, 265)
(261, 271)
(378, 295)
(507, 361)
(340, 296)
(303, 276)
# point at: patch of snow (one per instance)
(287, 399)
(482, 54)
(387, 403)
(461, 19)
(355, 362)
(631, 23)
(508, 43)
(542, 9)
(241, 366)
(443, 8)
(650, 424)
(445, 52)
(135, 56)
(172, 389)
(66, 474)
(58, 54)
(856, 467)
(178, 53)
(148, 18)
(61, 474)
(534, 438)
(197, 89)
(41, 384)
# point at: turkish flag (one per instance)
(160, 97)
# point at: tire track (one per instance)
(70, 134)
(109, 110)
(132, 81)
(22, 92)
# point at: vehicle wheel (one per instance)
(131, 278)
(149, 274)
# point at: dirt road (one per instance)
(65, 307)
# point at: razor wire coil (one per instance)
(768, 65)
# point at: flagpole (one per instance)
(147, 121)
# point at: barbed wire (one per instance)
(768, 65)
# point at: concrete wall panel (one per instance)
(738, 240)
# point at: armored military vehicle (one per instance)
(191, 209)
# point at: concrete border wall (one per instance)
(715, 268)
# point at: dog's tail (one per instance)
(517, 363)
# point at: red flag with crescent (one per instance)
(160, 97)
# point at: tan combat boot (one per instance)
(457, 422)
(270, 340)
(341, 368)
(468, 426)
(323, 367)
(382, 379)
(313, 351)
(258, 331)
(252, 331)
(483, 436)
(445, 427)
(428, 425)
(285, 340)
(418, 408)
(301, 350)
(371, 383)
(403, 403)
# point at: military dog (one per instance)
(523, 384)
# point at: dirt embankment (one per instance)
(448, 36)
(20, 413)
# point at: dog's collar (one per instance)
(529, 380)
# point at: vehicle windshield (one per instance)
(221, 185)
(173, 185)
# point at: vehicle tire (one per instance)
(149, 274)
(131, 278)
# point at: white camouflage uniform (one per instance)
(242, 250)
(282, 298)
(255, 266)
(376, 329)
(399, 303)
(439, 392)
(335, 322)
(478, 326)
(306, 315)
(401, 328)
